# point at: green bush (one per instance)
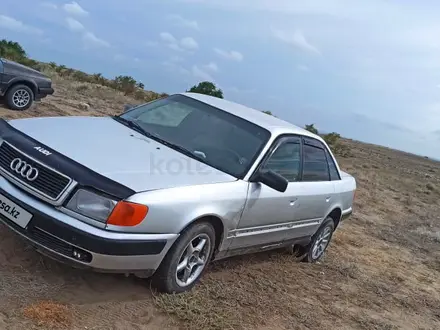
(311, 128)
(332, 138)
(207, 88)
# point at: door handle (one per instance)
(328, 199)
(292, 202)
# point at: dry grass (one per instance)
(49, 314)
(382, 270)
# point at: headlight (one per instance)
(106, 210)
(91, 205)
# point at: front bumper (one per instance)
(43, 92)
(74, 242)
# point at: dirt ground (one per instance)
(382, 271)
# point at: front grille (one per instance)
(51, 242)
(55, 244)
(48, 183)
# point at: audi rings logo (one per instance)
(28, 172)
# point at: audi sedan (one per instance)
(168, 186)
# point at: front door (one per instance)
(269, 213)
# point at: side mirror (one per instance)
(128, 107)
(272, 180)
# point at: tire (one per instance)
(314, 251)
(167, 279)
(19, 97)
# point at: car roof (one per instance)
(273, 124)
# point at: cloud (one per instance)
(229, 55)
(167, 37)
(240, 91)
(189, 43)
(332, 8)
(173, 67)
(74, 8)
(180, 21)
(176, 58)
(118, 57)
(49, 5)
(211, 67)
(151, 43)
(74, 25)
(201, 74)
(303, 67)
(92, 41)
(12, 24)
(297, 39)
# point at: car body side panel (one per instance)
(313, 201)
(271, 216)
(172, 210)
(345, 189)
(3, 83)
(14, 73)
(264, 217)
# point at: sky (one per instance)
(369, 70)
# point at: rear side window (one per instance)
(334, 174)
(315, 166)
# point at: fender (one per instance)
(27, 81)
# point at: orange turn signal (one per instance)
(127, 214)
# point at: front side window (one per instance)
(315, 167)
(215, 137)
(286, 161)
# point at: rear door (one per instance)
(316, 190)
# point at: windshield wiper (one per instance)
(177, 147)
(132, 124)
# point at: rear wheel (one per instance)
(320, 241)
(187, 259)
(19, 97)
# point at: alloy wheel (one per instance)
(193, 260)
(21, 98)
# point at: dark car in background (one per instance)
(20, 85)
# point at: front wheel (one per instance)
(19, 97)
(320, 241)
(187, 259)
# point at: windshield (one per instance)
(215, 137)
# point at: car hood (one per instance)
(119, 153)
(15, 68)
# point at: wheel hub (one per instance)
(21, 98)
(193, 260)
(321, 243)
